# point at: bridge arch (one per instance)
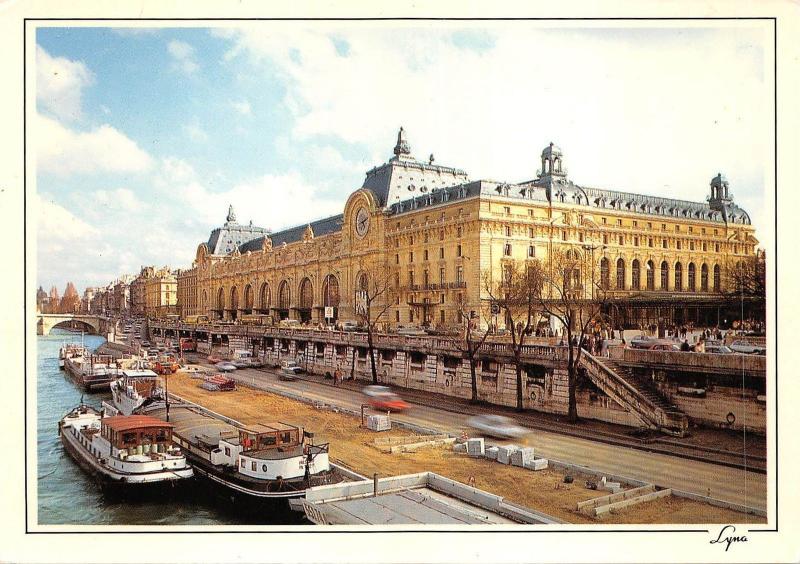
(47, 322)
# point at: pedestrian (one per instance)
(685, 346)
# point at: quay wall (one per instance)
(434, 364)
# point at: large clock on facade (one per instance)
(362, 222)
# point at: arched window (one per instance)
(636, 275)
(248, 298)
(234, 298)
(306, 294)
(265, 297)
(692, 286)
(664, 275)
(704, 278)
(651, 275)
(330, 291)
(620, 274)
(678, 277)
(717, 277)
(221, 299)
(604, 274)
(284, 295)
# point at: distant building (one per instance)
(161, 294)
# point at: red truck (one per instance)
(188, 344)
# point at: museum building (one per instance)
(433, 234)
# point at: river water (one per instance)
(67, 495)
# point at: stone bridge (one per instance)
(93, 324)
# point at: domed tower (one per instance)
(720, 196)
(552, 164)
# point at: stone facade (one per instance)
(161, 294)
(434, 233)
(186, 283)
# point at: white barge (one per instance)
(126, 453)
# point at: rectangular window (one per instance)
(580, 237)
(664, 243)
(397, 259)
(458, 251)
(716, 232)
(460, 274)
(411, 315)
(716, 247)
(677, 228)
(253, 466)
(619, 223)
(663, 227)
(649, 225)
(425, 255)
(531, 232)
(690, 229)
(563, 235)
(649, 241)
(636, 241)
(441, 298)
(605, 220)
(531, 251)
(678, 245)
(530, 213)
(410, 239)
(507, 210)
(397, 316)
(703, 230)
(458, 232)
(621, 240)
(411, 256)
(507, 249)
(507, 230)
(441, 275)
(441, 315)
(635, 223)
(705, 247)
(410, 277)
(605, 238)
(441, 233)
(691, 245)
(441, 252)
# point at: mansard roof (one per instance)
(225, 239)
(320, 227)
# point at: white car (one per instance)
(497, 426)
(289, 370)
(225, 366)
(411, 330)
(746, 348)
(195, 371)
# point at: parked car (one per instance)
(668, 346)
(290, 323)
(384, 399)
(718, 349)
(410, 330)
(497, 426)
(214, 359)
(349, 326)
(225, 366)
(641, 342)
(195, 371)
(241, 363)
(289, 370)
(747, 348)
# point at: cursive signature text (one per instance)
(729, 537)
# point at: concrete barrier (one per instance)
(604, 510)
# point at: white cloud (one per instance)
(242, 107)
(195, 132)
(57, 225)
(60, 83)
(183, 56)
(631, 112)
(62, 151)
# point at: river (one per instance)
(66, 495)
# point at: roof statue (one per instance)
(231, 215)
(402, 147)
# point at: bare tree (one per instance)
(468, 341)
(373, 300)
(516, 295)
(747, 276)
(571, 293)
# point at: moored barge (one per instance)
(123, 453)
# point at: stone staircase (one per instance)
(637, 394)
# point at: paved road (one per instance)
(728, 484)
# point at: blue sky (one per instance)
(145, 136)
